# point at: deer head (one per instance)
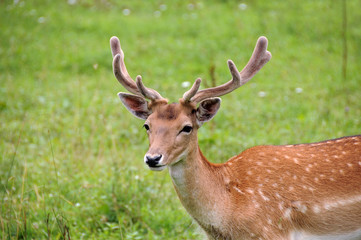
(172, 128)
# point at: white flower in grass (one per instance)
(71, 2)
(262, 94)
(35, 225)
(190, 6)
(163, 7)
(242, 6)
(126, 12)
(41, 19)
(185, 84)
(299, 90)
(157, 14)
(77, 204)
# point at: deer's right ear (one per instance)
(138, 106)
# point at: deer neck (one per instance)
(198, 185)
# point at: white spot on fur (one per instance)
(287, 213)
(249, 172)
(256, 204)
(259, 163)
(326, 206)
(295, 177)
(307, 169)
(295, 160)
(359, 163)
(287, 157)
(277, 195)
(276, 159)
(332, 179)
(316, 179)
(349, 164)
(342, 171)
(238, 190)
(300, 207)
(263, 196)
(249, 191)
(316, 209)
(291, 188)
(356, 143)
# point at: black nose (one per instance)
(153, 161)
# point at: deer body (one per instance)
(273, 192)
(305, 191)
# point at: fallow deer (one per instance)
(303, 191)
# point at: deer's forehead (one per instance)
(171, 112)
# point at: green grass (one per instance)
(71, 155)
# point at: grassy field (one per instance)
(71, 155)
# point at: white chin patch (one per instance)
(160, 168)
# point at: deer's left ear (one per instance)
(138, 106)
(207, 109)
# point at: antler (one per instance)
(123, 77)
(258, 59)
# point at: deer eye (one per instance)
(146, 126)
(186, 129)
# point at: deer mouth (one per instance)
(157, 168)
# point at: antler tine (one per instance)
(123, 77)
(259, 58)
(191, 92)
(147, 92)
(119, 69)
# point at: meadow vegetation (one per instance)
(71, 156)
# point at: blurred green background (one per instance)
(71, 156)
